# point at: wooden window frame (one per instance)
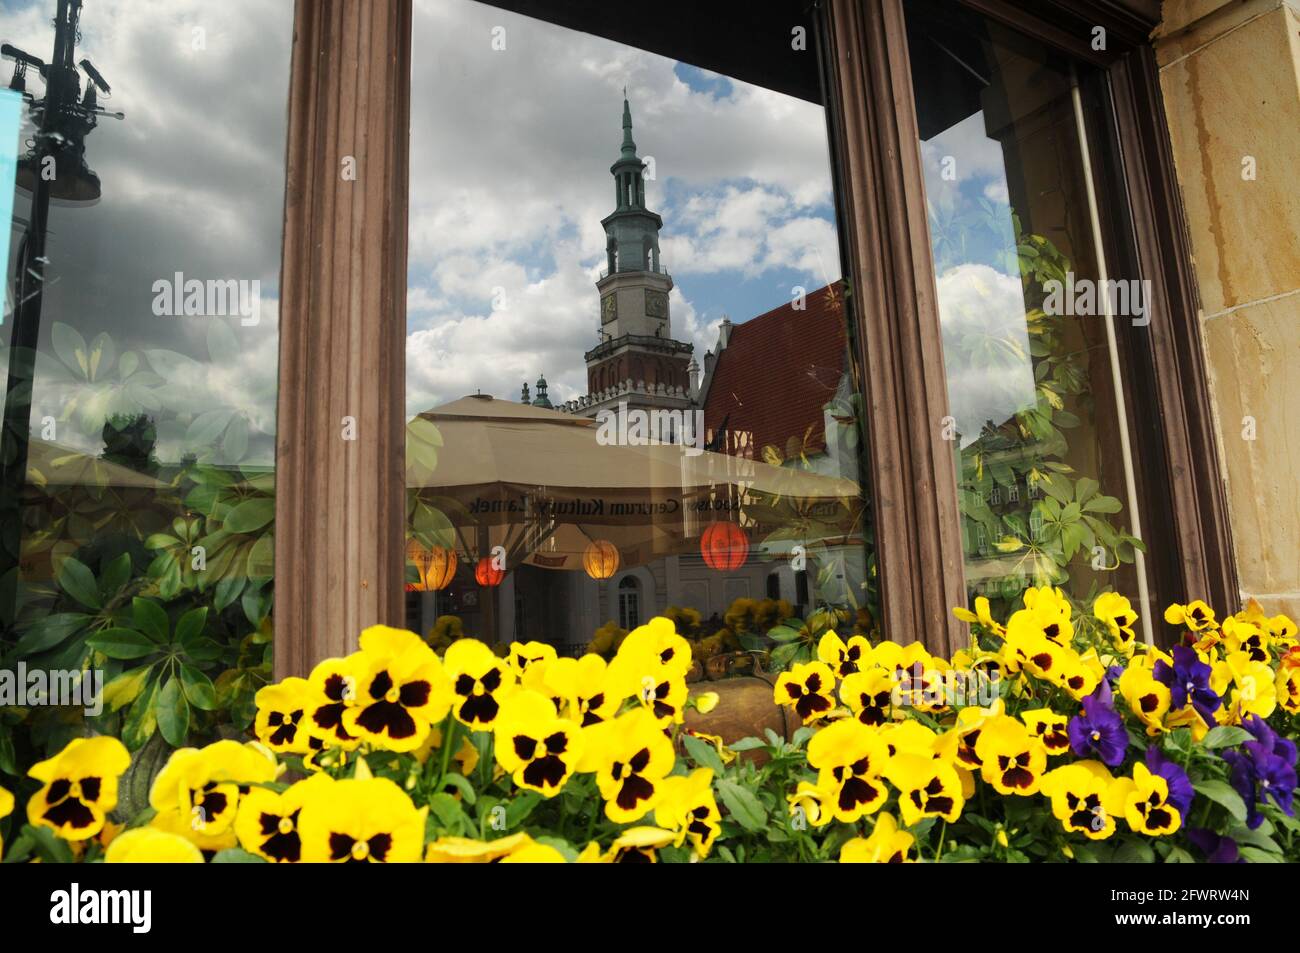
(340, 504)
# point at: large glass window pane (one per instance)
(628, 360)
(1047, 494)
(139, 341)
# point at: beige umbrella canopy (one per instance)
(542, 484)
(53, 464)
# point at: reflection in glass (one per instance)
(673, 420)
(140, 347)
(1038, 418)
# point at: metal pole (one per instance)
(29, 281)
(1121, 407)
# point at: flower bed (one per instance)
(1053, 736)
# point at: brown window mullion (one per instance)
(882, 202)
(340, 502)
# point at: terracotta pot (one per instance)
(745, 708)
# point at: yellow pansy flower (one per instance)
(808, 688)
(148, 845)
(886, 845)
(479, 682)
(631, 756)
(267, 822)
(1119, 617)
(844, 658)
(281, 721)
(197, 792)
(1144, 802)
(687, 807)
(360, 820)
(1196, 615)
(1012, 759)
(537, 747)
(79, 787)
(850, 758)
(1082, 798)
(927, 787)
(524, 655)
(400, 690)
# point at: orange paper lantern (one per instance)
(436, 567)
(487, 574)
(601, 559)
(724, 546)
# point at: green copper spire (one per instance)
(629, 147)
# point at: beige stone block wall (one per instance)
(1230, 74)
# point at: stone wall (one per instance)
(1230, 74)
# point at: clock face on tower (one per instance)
(608, 308)
(656, 304)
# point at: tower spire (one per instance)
(629, 147)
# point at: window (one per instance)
(653, 378)
(1028, 307)
(140, 343)
(629, 603)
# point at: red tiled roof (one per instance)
(776, 374)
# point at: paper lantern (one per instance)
(487, 574)
(724, 546)
(436, 567)
(601, 559)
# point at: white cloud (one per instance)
(978, 305)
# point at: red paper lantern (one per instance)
(488, 574)
(724, 546)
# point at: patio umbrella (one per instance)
(541, 484)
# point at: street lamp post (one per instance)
(54, 169)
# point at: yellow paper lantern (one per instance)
(601, 560)
(436, 566)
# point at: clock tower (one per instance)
(637, 360)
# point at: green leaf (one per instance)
(50, 631)
(747, 744)
(249, 516)
(198, 688)
(121, 643)
(190, 626)
(116, 574)
(150, 618)
(140, 719)
(742, 805)
(461, 784)
(173, 713)
(1223, 736)
(236, 855)
(76, 579)
(1223, 794)
(704, 754)
(1257, 856)
(1133, 851)
(517, 810)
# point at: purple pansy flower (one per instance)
(1180, 785)
(1098, 731)
(1218, 849)
(1188, 680)
(1263, 769)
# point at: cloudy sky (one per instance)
(510, 156)
(193, 182)
(979, 296)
